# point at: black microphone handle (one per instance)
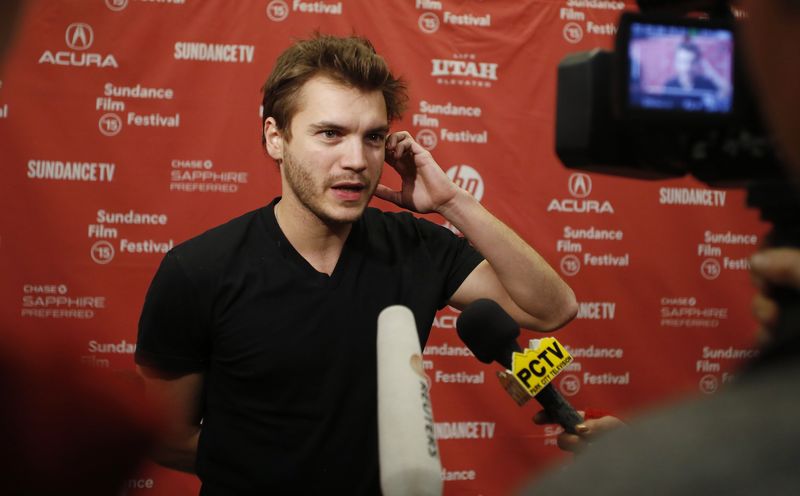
(558, 408)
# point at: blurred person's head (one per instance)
(687, 55)
(9, 11)
(772, 38)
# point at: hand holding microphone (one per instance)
(491, 334)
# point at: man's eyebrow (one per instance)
(379, 129)
(318, 126)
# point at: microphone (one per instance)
(407, 451)
(491, 335)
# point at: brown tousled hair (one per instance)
(351, 61)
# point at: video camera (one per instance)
(672, 99)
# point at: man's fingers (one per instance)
(779, 266)
(401, 148)
(394, 138)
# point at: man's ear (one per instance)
(274, 139)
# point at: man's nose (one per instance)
(355, 156)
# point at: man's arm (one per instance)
(513, 275)
(181, 396)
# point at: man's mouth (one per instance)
(348, 190)
(349, 186)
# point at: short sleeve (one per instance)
(453, 255)
(173, 325)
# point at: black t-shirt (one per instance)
(699, 82)
(288, 353)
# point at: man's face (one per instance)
(684, 62)
(333, 162)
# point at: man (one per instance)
(687, 63)
(744, 440)
(264, 328)
(694, 75)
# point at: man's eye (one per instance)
(330, 133)
(376, 138)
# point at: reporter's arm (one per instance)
(773, 267)
(181, 396)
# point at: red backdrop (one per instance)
(129, 125)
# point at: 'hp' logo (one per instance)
(580, 185)
(467, 179)
(79, 36)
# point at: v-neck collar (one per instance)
(293, 257)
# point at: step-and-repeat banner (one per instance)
(127, 126)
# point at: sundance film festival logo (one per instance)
(570, 385)
(110, 124)
(102, 252)
(428, 23)
(708, 384)
(278, 10)
(79, 37)
(570, 265)
(573, 32)
(710, 269)
(427, 139)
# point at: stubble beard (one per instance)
(312, 196)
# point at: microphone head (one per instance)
(488, 331)
(407, 451)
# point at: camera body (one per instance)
(671, 99)
(674, 99)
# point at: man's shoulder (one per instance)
(703, 83)
(217, 243)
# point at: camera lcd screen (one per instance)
(680, 68)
